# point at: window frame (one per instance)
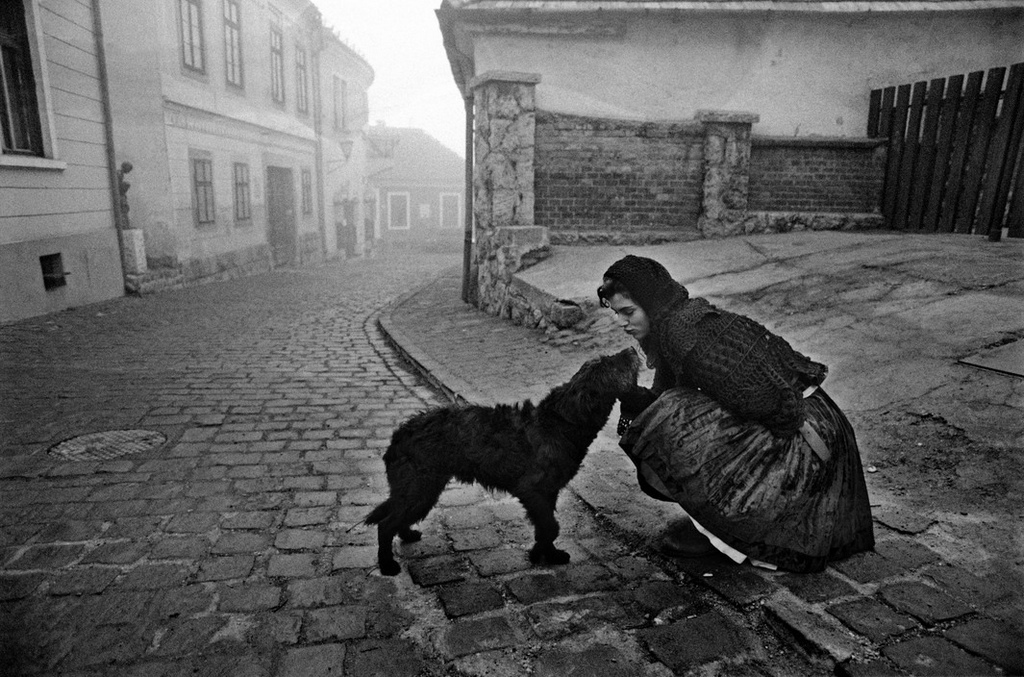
(440, 210)
(301, 80)
(340, 103)
(306, 181)
(46, 157)
(241, 177)
(234, 70)
(187, 54)
(408, 216)
(277, 82)
(203, 193)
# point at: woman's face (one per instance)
(630, 316)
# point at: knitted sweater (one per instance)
(750, 371)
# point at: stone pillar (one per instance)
(726, 170)
(503, 173)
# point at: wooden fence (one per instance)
(955, 153)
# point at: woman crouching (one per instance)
(737, 430)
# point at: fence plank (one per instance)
(985, 119)
(961, 139)
(1002, 157)
(908, 161)
(1015, 217)
(926, 153)
(943, 150)
(896, 141)
(885, 112)
(874, 110)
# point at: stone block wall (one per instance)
(815, 175)
(601, 179)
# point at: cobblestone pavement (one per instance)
(235, 549)
(900, 610)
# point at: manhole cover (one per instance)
(107, 445)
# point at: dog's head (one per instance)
(609, 374)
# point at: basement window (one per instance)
(53, 271)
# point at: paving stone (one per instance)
(225, 568)
(335, 623)
(911, 554)
(993, 641)
(180, 547)
(927, 656)
(872, 619)
(355, 557)
(192, 523)
(596, 660)
(878, 667)
(69, 530)
(299, 539)
(813, 629)
(304, 517)
(133, 527)
(740, 585)
(499, 562)
(238, 542)
(818, 587)
(83, 581)
(17, 586)
(307, 499)
(923, 602)
(107, 644)
(553, 620)
(475, 636)
(154, 577)
(690, 643)
(537, 587)
(584, 578)
(189, 635)
(325, 660)
(292, 566)
(46, 557)
(317, 592)
(183, 601)
(470, 598)
(438, 570)
(967, 587)
(868, 567)
(387, 658)
(248, 597)
(475, 539)
(902, 519)
(656, 596)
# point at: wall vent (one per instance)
(53, 271)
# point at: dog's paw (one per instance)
(391, 568)
(548, 555)
(409, 535)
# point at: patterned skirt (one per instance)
(797, 503)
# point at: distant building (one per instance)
(241, 120)
(419, 186)
(58, 240)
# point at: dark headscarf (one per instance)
(648, 283)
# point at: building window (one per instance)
(202, 189)
(19, 109)
(398, 211)
(233, 43)
(307, 192)
(301, 81)
(276, 64)
(340, 96)
(54, 275)
(450, 208)
(243, 193)
(191, 15)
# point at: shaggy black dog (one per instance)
(528, 451)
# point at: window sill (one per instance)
(32, 162)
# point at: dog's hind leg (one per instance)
(410, 502)
(541, 511)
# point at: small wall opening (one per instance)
(53, 271)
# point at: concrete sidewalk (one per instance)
(892, 315)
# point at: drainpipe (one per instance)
(467, 246)
(108, 132)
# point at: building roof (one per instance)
(410, 156)
(731, 5)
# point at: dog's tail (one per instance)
(378, 514)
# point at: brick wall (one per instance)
(615, 176)
(815, 175)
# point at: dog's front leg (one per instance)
(541, 511)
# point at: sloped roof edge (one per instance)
(820, 6)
